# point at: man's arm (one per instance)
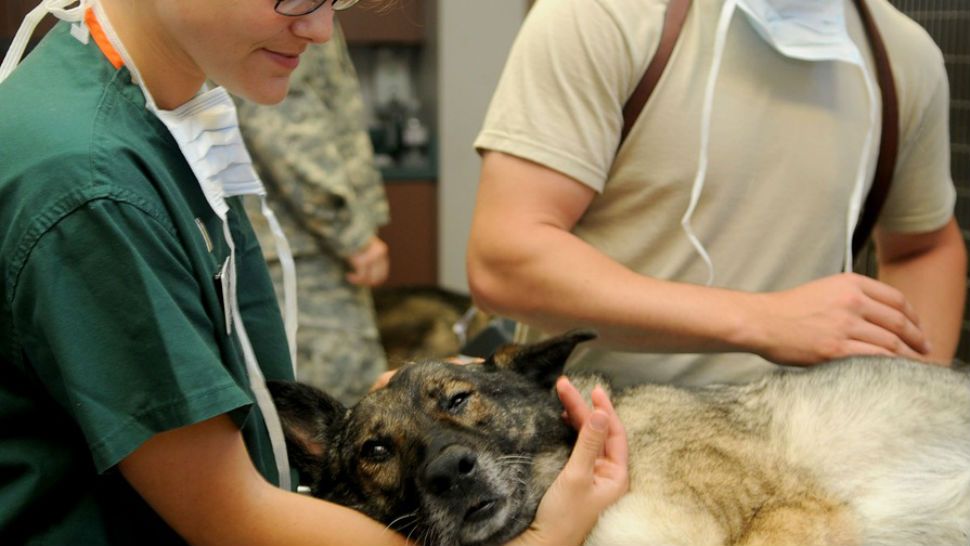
(524, 263)
(931, 270)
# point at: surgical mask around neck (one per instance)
(206, 129)
(811, 30)
(806, 30)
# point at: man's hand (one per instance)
(836, 316)
(370, 266)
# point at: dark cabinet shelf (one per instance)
(400, 23)
(412, 234)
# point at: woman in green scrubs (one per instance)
(126, 409)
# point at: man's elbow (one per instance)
(487, 286)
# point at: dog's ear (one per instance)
(309, 417)
(541, 362)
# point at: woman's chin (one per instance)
(269, 91)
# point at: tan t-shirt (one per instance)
(785, 143)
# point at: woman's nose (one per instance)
(316, 27)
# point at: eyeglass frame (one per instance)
(276, 7)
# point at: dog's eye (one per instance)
(457, 401)
(375, 451)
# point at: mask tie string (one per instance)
(257, 382)
(723, 23)
(57, 8)
(285, 255)
(859, 190)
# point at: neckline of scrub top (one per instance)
(101, 39)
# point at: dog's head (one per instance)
(445, 454)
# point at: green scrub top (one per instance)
(111, 316)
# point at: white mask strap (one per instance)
(859, 190)
(58, 8)
(723, 23)
(257, 382)
(285, 255)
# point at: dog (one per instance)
(425, 322)
(863, 451)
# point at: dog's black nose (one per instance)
(450, 470)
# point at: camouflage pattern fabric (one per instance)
(316, 160)
(338, 346)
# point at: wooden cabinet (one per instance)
(11, 14)
(400, 22)
(412, 234)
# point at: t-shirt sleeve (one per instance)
(109, 317)
(922, 195)
(560, 98)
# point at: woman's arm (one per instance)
(201, 481)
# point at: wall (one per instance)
(11, 14)
(472, 41)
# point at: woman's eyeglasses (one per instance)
(295, 8)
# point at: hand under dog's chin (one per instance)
(517, 510)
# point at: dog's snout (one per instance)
(450, 470)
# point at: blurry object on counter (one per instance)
(400, 137)
(414, 141)
(422, 322)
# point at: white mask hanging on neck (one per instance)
(207, 132)
(808, 30)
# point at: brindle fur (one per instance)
(866, 451)
(416, 322)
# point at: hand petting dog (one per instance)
(595, 477)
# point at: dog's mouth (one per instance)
(485, 521)
(482, 510)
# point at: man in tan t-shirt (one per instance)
(719, 237)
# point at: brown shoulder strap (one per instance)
(889, 140)
(673, 23)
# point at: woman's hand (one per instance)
(370, 266)
(595, 477)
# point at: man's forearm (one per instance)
(553, 281)
(934, 281)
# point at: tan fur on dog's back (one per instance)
(774, 463)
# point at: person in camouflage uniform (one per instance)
(316, 160)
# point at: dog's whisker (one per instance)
(515, 458)
(428, 538)
(422, 533)
(413, 516)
